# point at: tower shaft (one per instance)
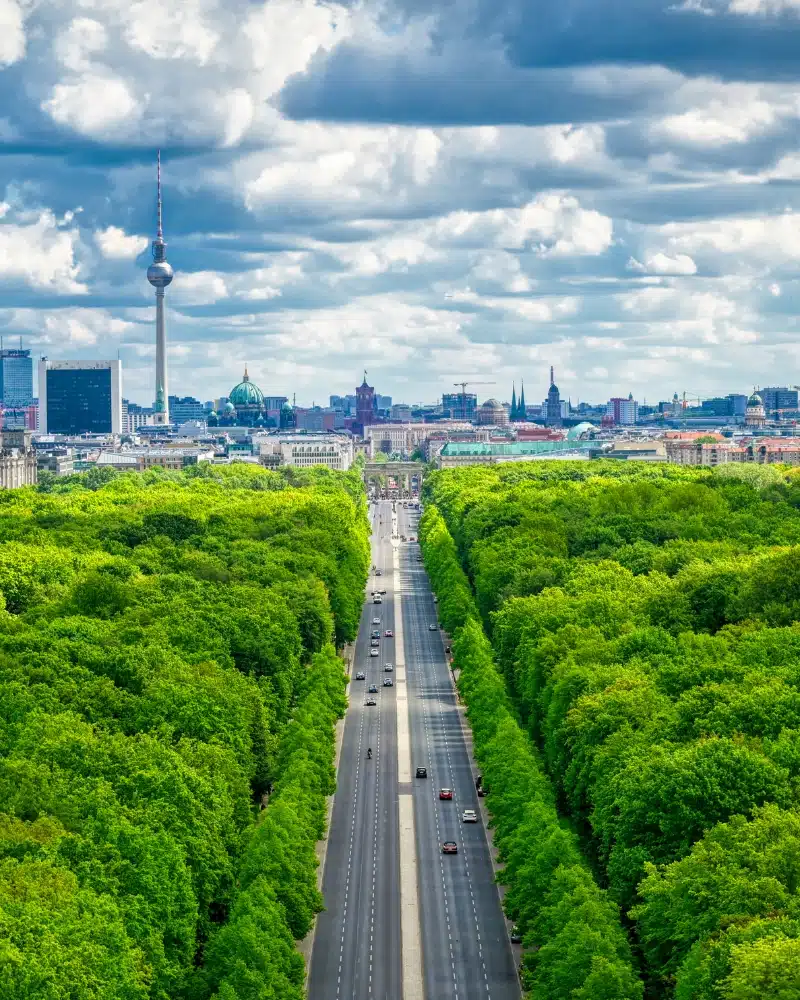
(162, 393)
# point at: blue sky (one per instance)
(428, 190)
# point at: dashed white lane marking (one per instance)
(441, 690)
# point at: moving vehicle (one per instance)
(388, 634)
(375, 634)
(446, 793)
(376, 621)
(377, 600)
(369, 753)
(374, 642)
(449, 847)
(360, 675)
(433, 628)
(373, 689)
(388, 682)
(374, 652)
(388, 667)
(422, 772)
(378, 573)
(469, 816)
(370, 702)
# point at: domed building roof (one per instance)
(246, 393)
(755, 400)
(229, 407)
(580, 430)
(493, 404)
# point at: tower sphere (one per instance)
(160, 274)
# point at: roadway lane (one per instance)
(467, 954)
(356, 954)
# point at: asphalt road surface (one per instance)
(357, 949)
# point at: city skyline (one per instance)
(635, 225)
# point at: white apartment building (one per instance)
(305, 450)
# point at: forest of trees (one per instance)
(636, 710)
(169, 685)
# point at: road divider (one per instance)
(410, 928)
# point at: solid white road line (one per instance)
(411, 934)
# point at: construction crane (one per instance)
(464, 395)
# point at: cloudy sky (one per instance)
(429, 189)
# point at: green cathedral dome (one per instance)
(246, 393)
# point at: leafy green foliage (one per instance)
(166, 661)
(644, 622)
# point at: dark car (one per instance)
(373, 689)
(516, 937)
(378, 573)
(375, 634)
(449, 847)
(422, 772)
(360, 675)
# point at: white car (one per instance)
(374, 652)
(376, 621)
(469, 816)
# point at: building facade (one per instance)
(18, 465)
(552, 404)
(80, 397)
(754, 415)
(365, 405)
(306, 450)
(16, 379)
(460, 405)
(623, 412)
(183, 408)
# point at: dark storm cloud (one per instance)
(529, 77)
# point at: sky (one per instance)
(428, 190)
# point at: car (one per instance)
(445, 793)
(433, 628)
(435, 599)
(376, 621)
(388, 682)
(370, 702)
(388, 634)
(388, 667)
(374, 642)
(449, 847)
(422, 772)
(375, 634)
(360, 675)
(516, 936)
(373, 689)
(374, 652)
(469, 816)
(378, 573)
(377, 600)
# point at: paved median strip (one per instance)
(413, 985)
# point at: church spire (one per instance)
(523, 413)
(513, 401)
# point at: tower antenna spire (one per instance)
(159, 231)
(159, 274)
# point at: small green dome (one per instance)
(755, 400)
(229, 407)
(246, 393)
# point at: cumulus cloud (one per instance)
(116, 244)
(39, 253)
(421, 189)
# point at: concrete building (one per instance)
(755, 416)
(492, 413)
(183, 408)
(141, 459)
(18, 465)
(80, 397)
(623, 412)
(306, 450)
(460, 405)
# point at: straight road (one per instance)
(467, 954)
(357, 953)
(357, 946)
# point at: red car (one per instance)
(449, 847)
(445, 793)
(388, 633)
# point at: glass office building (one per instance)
(16, 379)
(80, 397)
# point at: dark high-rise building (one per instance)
(778, 400)
(553, 404)
(365, 404)
(460, 405)
(183, 408)
(80, 397)
(16, 379)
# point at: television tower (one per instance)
(159, 274)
